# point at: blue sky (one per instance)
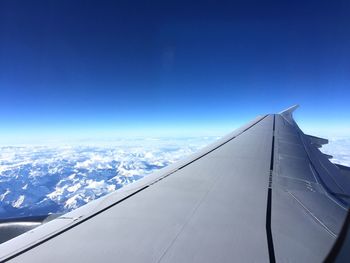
(104, 68)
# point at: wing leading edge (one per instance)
(262, 193)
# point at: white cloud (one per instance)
(339, 148)
(17, 203)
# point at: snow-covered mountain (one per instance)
(37, 180)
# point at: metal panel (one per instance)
(202, 212)
(305, 218)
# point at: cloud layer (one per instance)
(38, 180)
(339, 148)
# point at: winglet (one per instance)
(289, 110)
(288, 113)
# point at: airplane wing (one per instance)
(264, 193)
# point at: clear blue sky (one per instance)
(84, 68)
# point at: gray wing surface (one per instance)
(264, 193)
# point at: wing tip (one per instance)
(287, 114)
(290, 110)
